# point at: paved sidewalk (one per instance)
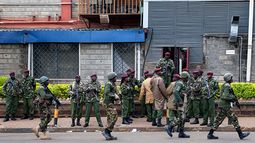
(140, 124)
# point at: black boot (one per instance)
(186, 119)
(125, 121)
(169, 130)
(196, 121)
(241, 134)
(13, 117)
(24, 117)
(6, 118)
(154, 122)
(211, 136)
(129, 120)
(159, 123)
(73, 123)
(86, 125)
(134, 116)
(106, 134)
(100, 124)
(31, 117)
(182, 134)
(78, 122)
(112, 137)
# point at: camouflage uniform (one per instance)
(28, 88)
(132, 83)
(126, 97)
(45, 101)
(92, 90)
(77, 99)
(167, 66)
(11, 90)
(227, 99)
(209, 92)
(189, 111)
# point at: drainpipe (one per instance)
(250, 32)
(66, 10)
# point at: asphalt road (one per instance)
(125, 137)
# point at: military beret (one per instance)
(210, 73)
(185, 69)
(129, 70)
(167, 53)
(176, 76)
(195, 72)
(77, 76)
(132, 71)
(12, 73)
(26, 71)
(145, 72)
(124, 75)
(149, 74)
(94, 74)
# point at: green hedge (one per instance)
(242, 90)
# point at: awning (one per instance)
(71, 36)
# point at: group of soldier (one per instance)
(183, 96)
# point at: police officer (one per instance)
(11, 90)
(209, 91)
(126, 96)
(227, 99)
(45, 101)
(77, 100)
(28, 88)
(179, 99)
(92, 90)
(110, 95)
(167, 66)
(196, 96)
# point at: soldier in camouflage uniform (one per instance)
(179, 99)
(196, 91)
(110, 95)
(126, 96)
(28, 88)
(189, 111)
(92, 90)
(227, 99)
(77, 100)
(45, 101)
(209, 91)
(11, 90)
(167, 66)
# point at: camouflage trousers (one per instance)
(179, 119)
(45, 117)
(28, 106)
(112, 116)
(11, 105)
(126, 108)
(222, 114)
(208, 110)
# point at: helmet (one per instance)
(111, 75)
(184, 74)
(43, 79)
(228, 76)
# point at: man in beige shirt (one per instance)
(146, 91)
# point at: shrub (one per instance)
(2, 80)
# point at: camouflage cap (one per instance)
(228, 76)
(111, 75)
(43, 79)
(184, 74)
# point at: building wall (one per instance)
(95, 58)
(29, 8)
(13, 58)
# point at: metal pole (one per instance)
(250, 31)
(139, 61)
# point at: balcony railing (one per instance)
(110, 7)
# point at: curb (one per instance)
(121, 129)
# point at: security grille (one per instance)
(57, 61)
(123, 57)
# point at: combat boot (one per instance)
(241, 134)
(154, 122)
(210, 135)
(13, 118)
(106, 134)
(86, 125)
(31, 117)
(44, 136)
(169, 130)
(186, 119)
(125, 121)
(182, 134)
(159, 123)
(25, 117)
(129, 120)
(112, 137)
(6, 118)
(78, 122)
(196, 121)
(73, 123)
(100, 124)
